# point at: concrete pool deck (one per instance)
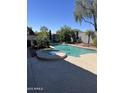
(81, 46)
(85, 61)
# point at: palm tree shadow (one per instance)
(59, 76)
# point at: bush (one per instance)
(95, 41)
(66, 34)
(43, 40)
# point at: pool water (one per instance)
(73, 51)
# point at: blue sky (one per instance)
(53, 14)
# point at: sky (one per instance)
(53, 14)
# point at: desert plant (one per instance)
(95, 41)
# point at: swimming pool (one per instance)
(72, 51)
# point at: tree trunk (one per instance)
(95, 26)
(95, 22)
(88, 39)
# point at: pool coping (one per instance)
(46, 56)
(79, 46)
(90, 48)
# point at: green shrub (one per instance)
(43, 39)
(68, 35)
(95, 41)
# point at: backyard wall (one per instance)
(84, 38)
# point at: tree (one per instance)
(50, 35)
(43, 38)
(77, 34)
(66, 34)
(86, 10)
(44, 28)
(30, 31)
(89, 34)
(77, 37)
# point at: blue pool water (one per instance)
(73, 51)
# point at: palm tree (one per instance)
(89, 33)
